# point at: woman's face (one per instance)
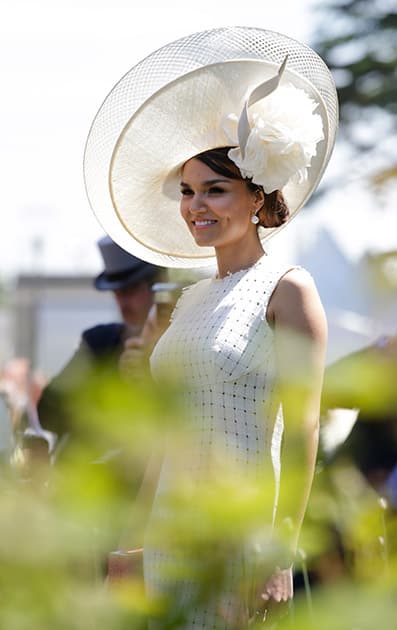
(217, 209)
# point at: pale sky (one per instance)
(59, 60)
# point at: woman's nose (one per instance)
(197, 203)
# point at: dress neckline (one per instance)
(233, 274)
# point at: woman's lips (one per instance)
(201, 224)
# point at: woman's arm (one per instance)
(297, 317)
(300, 329)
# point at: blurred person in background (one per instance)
(97, 356)
(359, 456)
(6, 432)
(366, 381)
(89, 437)
(20, 389)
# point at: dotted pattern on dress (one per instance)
(224, 347)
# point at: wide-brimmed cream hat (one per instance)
(178, 102)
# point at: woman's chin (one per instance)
(201, 241)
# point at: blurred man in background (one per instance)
(97, 357)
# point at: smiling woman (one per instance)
(245, 135)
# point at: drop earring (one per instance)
(254, 219)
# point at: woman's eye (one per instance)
(215, 190)
(185, 192)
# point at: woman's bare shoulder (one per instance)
(296, 278)
(294, 284)
(295, 301)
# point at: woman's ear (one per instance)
(259, 199)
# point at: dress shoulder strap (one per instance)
(272, 274)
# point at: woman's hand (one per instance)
(279, 587)
(273, 597)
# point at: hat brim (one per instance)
(183, 118)
(125, 279)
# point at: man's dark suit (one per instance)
(96, 357)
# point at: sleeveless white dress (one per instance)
(223, 346)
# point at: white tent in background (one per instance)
(342, 242)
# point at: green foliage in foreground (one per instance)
(58, 524)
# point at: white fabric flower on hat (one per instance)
(283, 140)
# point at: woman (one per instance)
(248, 344)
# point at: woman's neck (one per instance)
(232, 259)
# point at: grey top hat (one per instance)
(121, 268)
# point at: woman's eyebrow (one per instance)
(209, 182)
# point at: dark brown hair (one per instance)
(274, 211)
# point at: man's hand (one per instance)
(133, 361)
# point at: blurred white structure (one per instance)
(350, 249)
(49, 314)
